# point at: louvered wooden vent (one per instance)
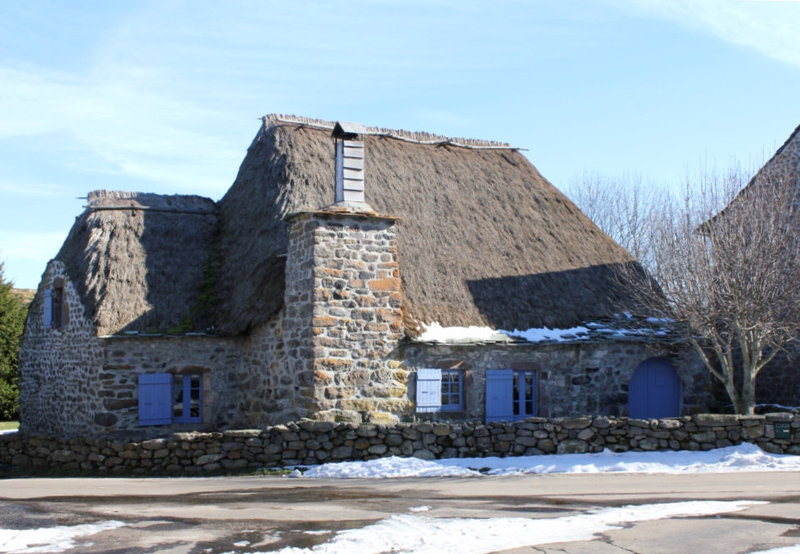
(349, 162)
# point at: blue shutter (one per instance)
(48, 308)
(429, 390)
(155, 398)
(499, 395)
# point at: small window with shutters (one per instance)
(55, 311)
(166, 398)
(440, 390)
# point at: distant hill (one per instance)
(26, 295)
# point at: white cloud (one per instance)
(771, 27)
(121, 126)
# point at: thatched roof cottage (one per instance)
(338, 279)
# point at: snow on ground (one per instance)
(52, 539)
(7, 431)
(420, 534)
(744, 457)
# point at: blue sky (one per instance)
(164, 96)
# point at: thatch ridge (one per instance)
(185, 203)
(399, 134)
(138, 259)
(476, 226)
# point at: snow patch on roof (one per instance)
(625, 327)
(455, 335)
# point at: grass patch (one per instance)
(9, 425)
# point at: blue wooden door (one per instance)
(654, 391)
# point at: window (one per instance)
(55, 313)
(165, 398)
(510, 394)
(440, 390)
(523, 394)
(187, 392)
(451, 390)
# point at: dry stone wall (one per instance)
(314, 442)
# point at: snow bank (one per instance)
(744, 457)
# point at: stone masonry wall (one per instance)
(59, 367)
(344, 318)
(573, 379)
(125, 358)
(268, 386)
(313, 442)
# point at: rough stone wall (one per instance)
(125, 358)
(269, 386)
(344, 318)
(313, 442)
(573, 378)
(59, 368)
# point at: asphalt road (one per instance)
(247, 514)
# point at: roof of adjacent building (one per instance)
(483, 238)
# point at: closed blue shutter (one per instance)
(499, 395)
(155, 398)
(429, 390)
(48, 308)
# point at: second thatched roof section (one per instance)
(138, 260)
(484, 239)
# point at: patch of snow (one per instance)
(388, 467)
(316, 532)
(420, 534)
(436, 333)
(8, 431)
(744, 457)
(418, 509)
(661, 320)
(794, 549)
(655, 327)
(50, 539)
(543, 334)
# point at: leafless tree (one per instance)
(624, 207)
(725, 260)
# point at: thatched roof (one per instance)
(484, 239)
(783, 166)
(137, 259)
(778, 180)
